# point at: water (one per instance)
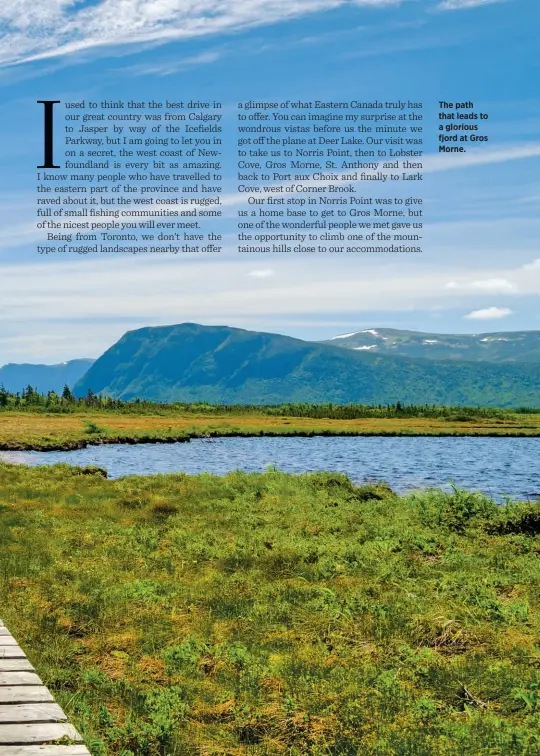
(498, 467)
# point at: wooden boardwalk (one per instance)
(30, 720)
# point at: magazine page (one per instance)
(269, 377)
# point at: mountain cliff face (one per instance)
(44, 378)
(509, 346)
(190, 362)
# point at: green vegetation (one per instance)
(217, 364)
(52, 422)
(275, 614)
(31, 400)
(91, 427)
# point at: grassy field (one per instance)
(42, 430)
(273, 614)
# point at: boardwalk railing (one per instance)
(30, 720)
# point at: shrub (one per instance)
(517, 519)
(133, 501)
(91, 427)
(184, 657)
(162, 507)
(92, 470)
(453, 510)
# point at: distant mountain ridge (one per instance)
(16, 377)
(504, 346)
(190, 362)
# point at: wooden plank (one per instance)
(41, 750)
(15, 665)
(19, 678)
(30, 719)
(20, 694)
(12, 652)
(45, 712)
(28, 734)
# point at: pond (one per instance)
(498, 467)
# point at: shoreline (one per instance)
(186, 437)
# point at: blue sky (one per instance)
(481, 266)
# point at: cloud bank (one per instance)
(490, 286)
(33, 31)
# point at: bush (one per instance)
(517, 519)
(91, 427)
(453, 510)
(162, 507)
(92, 470)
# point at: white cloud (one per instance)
(91, 302)
(60, 27)
(490, 285)
(459, 4)
(534, 265)
(147, 288)
(445, 162)
(490, 313)
(166, 68)
(265, 273)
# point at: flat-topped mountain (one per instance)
(190, 362)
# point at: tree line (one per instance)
(30, 399)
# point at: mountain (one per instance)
(505, 346)
(44, 378)
(218, 364)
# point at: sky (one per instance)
(480, 271)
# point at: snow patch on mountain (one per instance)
(345, 335)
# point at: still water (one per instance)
(498, 467)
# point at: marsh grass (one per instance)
(41, 430)
(275, 614)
